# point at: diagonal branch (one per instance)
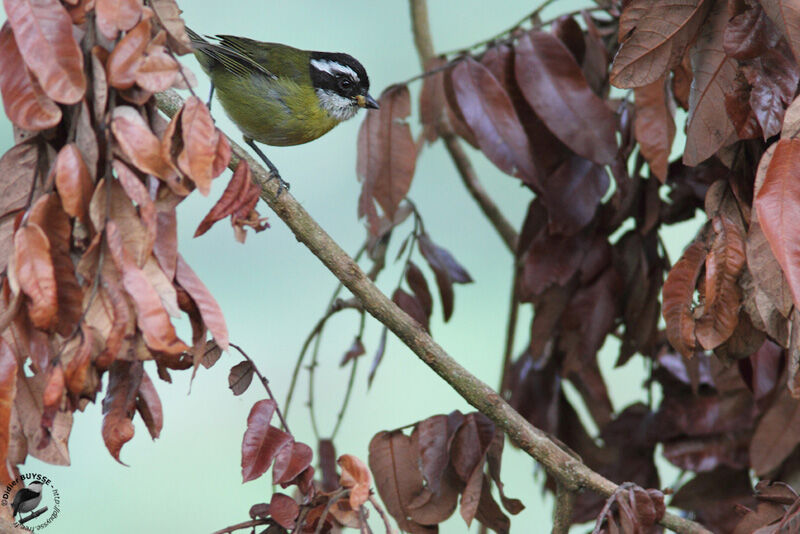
(570, 472)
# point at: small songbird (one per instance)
(27, 499)
(280, 95)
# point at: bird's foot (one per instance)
(282, 184)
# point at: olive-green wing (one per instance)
(281, 60)
(231, 58)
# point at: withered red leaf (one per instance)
(778, 206)
(200, 140)
(431, 437)
(169, 15)
(678, 295)
(785, 14)
(151, 317)
(555, 87)
(724, 264)
(43, 32)
(8, 391)
(654, 126)
(416, 281)
(18, 166)
(397, 477)
(777, 433)
(356, 476)
(411, 305)
(139, 143)
(432, 99)
(73, 182)
(123, 63)
(290, 461)
(36, 275)
(749, 34)
(24, 102)
(387, 154)
(356, 349)
(446, 270)
(158, 71)
(709, 128)
(240, 377)
(283, 509)
(206, 303)
(114, 16)
(773, 77)
(261, 441)
(148, 405)
(47, 214)
(654, 37)
(489, 112)
(119, 404)
(239, 198)
(572, 193)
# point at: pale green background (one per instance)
(272, 290)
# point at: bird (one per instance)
(27, 499)
(280, 95)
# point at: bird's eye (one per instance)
(344, 83)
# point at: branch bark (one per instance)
(562, 512)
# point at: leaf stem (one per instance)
(265, 383)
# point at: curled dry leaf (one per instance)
(387, 155)
(238, 199)
(653, 38)
(123, 63)
(654, 125)
(356, 476)
(149, 406)
(43, 32)
(290, 461)
(724, 264)
(678, 295)
(555, 87)
(356, 349)
(119, 404)
(114, 16)
(169, 15)
(36, 275)
(24, 102)
(200, 141)
(261, 441)
(432, 99)
(27, 432)
(785, 14)
(446, 270)
(206, 303)
(777, 434)
(73, 182)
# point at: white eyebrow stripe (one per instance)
(333, 68)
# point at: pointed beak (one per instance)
(366, 101)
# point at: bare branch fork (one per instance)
(570, 472)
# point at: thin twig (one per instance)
(571, 472)
(379, 509)
(265, 383)
(329, 311)
(562, 512)
(350, 382)
(511, 329)
(244, 524)
(331, 501)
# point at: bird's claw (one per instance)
(282, 184)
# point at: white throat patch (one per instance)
(339, 107)
(333, 68)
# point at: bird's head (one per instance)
(35, 486)
(341, 84)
